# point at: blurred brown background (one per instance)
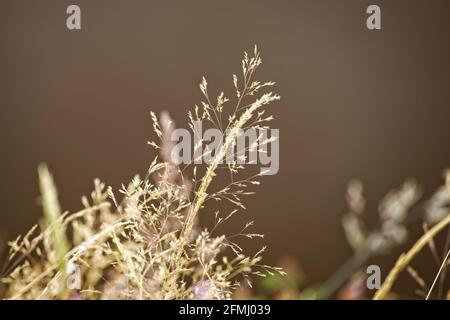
(355, 103)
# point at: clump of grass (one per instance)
(149, 244)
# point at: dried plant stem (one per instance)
(437, 276)
(444, 272)
(201, 195)
(404, 260)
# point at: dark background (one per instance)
(355, 103)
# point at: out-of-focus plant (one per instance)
(391, 231)
(349, 281)
(438, 213)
